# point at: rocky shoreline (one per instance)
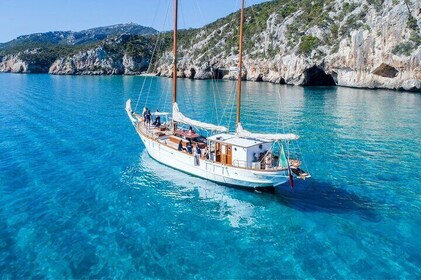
(381, 50)
(97, 62)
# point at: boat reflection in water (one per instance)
(238, 213)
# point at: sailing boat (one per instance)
(239, 158)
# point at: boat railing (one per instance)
(256, 165)
(240, 163)
(245, 164)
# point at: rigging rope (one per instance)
(153, 52)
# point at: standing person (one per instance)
(198, 150)
(157, 121)
(145, 112)
(197, 153)
(148, 117)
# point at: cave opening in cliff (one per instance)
(386, 71)
(218, 73)
(316, 76)
(192, 73)
(282, 81)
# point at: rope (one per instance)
(213, 79)
(153, 53)
(231, 94)
(167, 94)
(295, 144)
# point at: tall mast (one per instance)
(240, 63)
(174, 51)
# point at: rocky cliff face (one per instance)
(98, 62)
(13, 63)
(114, 56)
(355, 43)
(23, 62)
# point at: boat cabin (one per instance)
(241, 152)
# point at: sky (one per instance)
(20, 17)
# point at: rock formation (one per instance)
(367, 46)
(355, 43)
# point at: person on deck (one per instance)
(157, 122)
(180, 146)
(206, 153)
(189, 147)
(197, 153)
(198, 150)
(148, 116)
(191, 131)
(145, 112)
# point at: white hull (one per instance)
(210, 170)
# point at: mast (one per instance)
(240, 64)
(174, 51)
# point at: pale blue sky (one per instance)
(19, 17)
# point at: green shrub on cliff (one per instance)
(405, 48)
(308, 44)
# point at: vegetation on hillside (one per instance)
(414, 40)
(333, 20)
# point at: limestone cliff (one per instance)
(123, 54)
(23, 62)
(356, 43)
(98, 62)
(373, 44)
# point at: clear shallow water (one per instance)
(80, 197)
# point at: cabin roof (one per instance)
(235, 140)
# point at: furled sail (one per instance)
(264, 137)
(129, 110)
(179, 117)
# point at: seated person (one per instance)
(180, 146)
(255, 159)
(191, 131)
(189, 147)
(206, 153)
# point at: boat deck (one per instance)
(166, 136)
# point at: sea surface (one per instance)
(80, 197)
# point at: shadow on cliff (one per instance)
(318, 196)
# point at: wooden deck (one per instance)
(166, 136)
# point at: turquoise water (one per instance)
(80, 198)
